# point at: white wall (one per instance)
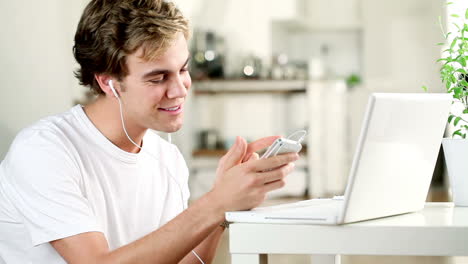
(344, 56)
(36, 65)
(400, 50)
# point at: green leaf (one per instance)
(466, 14)
(440, 44)
(454, 42)
(454, 15)
(462, 61)
(449, 3)
(450, 118)
(457, 93)
(453, 79)
(455, 123)
(457, 133)
(464, 83)
(465, 112)
(424, 88)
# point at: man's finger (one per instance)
(234, 155)
(254, 156)
(259, 145)
(274, 185)
(271, 162)
(276, 174)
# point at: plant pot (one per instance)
(456, 158)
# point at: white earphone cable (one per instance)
(123, 125)
(147, 152)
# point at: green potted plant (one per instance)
(454, 75)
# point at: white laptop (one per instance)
(392, 167)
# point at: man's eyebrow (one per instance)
(154, 73)
(158, 71)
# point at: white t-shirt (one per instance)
(62, 177)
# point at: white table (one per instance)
(439, 230)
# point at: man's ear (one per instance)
(103, 81)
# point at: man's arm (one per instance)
(207, 249)
(237, 187)
(166, 245)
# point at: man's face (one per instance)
(154, 92)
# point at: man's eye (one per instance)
(156, 81)
(184, 69)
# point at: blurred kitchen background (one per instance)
(259, 68)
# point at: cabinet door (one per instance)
(328, 138)
(330, 14)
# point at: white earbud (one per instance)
(112, 89)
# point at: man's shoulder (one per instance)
(41, 147)
(48, 130)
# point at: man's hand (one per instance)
(243, 180)
(258, 145)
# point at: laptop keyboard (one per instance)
(313, 203)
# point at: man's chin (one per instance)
(170, 129)
(173, 130)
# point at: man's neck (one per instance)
(104, 113)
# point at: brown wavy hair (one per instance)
(110, 30)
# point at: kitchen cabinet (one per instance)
(330, 14)
(335, 117)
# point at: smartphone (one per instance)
(280, 146)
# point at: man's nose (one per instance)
(177, 88)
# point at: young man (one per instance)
(95, 184)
